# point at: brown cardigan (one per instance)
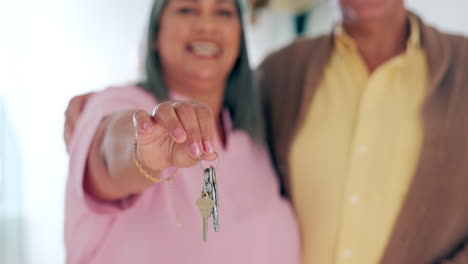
(433, 224)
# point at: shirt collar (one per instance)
(344, 41)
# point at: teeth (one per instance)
(204, 48)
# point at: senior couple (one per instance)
(351, 147)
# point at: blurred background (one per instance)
(51, 50)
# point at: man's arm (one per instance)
(72, 114)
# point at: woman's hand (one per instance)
(177, 133)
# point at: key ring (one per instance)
(217, 165)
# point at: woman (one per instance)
(115, 213)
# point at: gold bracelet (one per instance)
(143, 171)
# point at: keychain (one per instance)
(208, 201)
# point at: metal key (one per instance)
(205, 205)
(214, 197)
(210, 188)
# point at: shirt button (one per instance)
(362, 149)
(347, 254)
(354, 199)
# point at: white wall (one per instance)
(49, 51)
(53, 49)
(447, 15)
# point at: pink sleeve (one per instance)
(97, 108)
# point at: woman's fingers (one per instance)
(188, 125)
(146, 130)
(188, 118)
(209, 157)
(206, 123)
(165, 115)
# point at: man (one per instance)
(368, 132)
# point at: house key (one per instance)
(205, 205)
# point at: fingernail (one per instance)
(147, 127)
(195, 149)
(178, 134)
(208, 147)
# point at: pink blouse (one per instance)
(162, 224)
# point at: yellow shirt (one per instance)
(354, 157)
